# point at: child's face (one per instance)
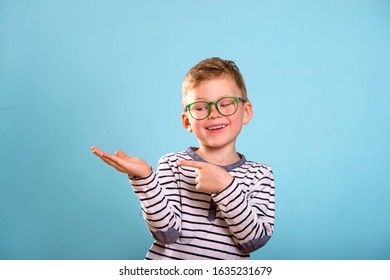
(216, 131)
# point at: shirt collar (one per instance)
(191, 152)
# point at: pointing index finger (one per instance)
(191, 163)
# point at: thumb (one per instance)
(120, 154)
(191, 163)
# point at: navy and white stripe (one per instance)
(188, 224)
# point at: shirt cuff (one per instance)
(225, 196)
(141, 182)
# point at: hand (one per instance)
(209, 177)
(134, 167)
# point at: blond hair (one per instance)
(213, 68)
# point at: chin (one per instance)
(216, 145)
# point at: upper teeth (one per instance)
(216, 127)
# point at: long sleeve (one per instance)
(191, 224)
(247, 205)
(159, 196)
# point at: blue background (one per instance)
(79, 73)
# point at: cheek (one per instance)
(237, 120)
(196, 126)
(241, 118)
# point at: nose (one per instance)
(214, 113)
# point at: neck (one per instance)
(219, 156)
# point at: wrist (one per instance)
(225, 183)
(142, 174)
(226, 186)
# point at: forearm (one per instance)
(250, 216)
(159, 213)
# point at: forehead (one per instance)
(211, 90)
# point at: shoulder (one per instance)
(174, 157)
(252, 166)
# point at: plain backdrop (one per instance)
(78, 73)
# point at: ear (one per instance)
(247, 112)
(186, 121)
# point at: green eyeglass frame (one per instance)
(215, 103)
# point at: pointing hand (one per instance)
(209, 177)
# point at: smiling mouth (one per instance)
(217, 127)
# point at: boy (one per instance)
(207, 202)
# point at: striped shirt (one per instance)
(190, 224)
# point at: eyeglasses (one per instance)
(226, 106)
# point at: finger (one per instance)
(192, 163)
(118, 162)
(121, 154)
(114, 161)
(111, 160)
(97, 151)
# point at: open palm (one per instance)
(134, 167)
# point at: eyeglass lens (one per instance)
(226, 106)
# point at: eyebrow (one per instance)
(207, 100)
